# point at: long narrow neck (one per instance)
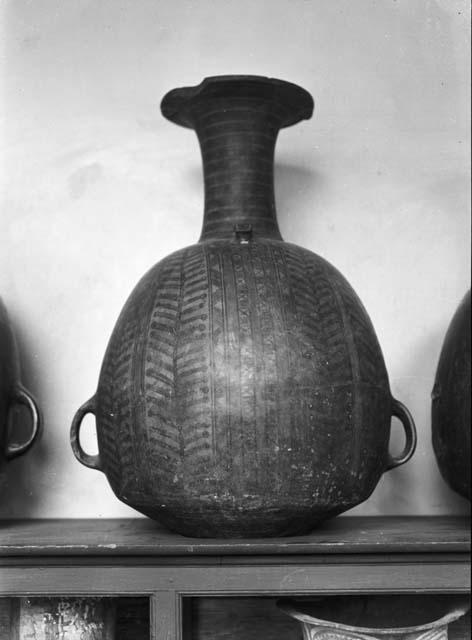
(237, 119)
(237, 140)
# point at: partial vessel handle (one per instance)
(401, 412)
(22, 396)
(86, 459)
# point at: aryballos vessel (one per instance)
(13, 394)
(243, 391)
(451, 402)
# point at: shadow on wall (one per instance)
(295, 188)
(418, 375)
(21, 494)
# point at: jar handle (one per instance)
(92, 461)
(22, 396)
(401, 412)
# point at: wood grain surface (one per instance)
(227, 588)
(144, 537)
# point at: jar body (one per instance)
(451, 402)
(243, 393)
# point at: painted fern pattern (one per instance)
(243, 390)
(162, 430)
(235, 367)
(192, 390)
(116, 396)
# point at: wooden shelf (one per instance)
(143, 537)
(130, 557)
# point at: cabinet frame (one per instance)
(135, 557)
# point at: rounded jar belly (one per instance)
(450, 412)
(243, 392)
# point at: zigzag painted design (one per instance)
(236, 371)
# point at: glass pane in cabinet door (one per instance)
(266, 618)
(74, 618)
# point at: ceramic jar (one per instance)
(243, 391)
(451, 402)
(12, 394)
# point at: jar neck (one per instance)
(237, 142)
(237, 120)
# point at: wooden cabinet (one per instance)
(197, 580)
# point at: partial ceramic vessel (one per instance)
(12, 394)
(243, 392)
(451, 402)
(388, 617)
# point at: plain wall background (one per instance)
(99, 186)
